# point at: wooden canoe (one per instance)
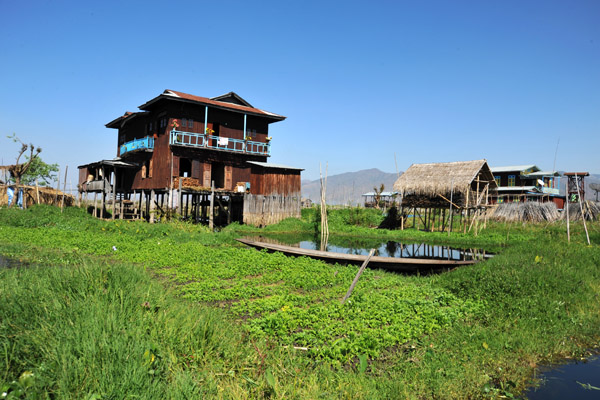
(390, 263)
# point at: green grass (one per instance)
(89, 320)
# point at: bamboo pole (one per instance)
(360, 271)
(212, 206)
(37, 191)
(587, 235)
(568, 221)
(152, 194)
(180, 198)
(450, 212)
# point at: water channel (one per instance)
(576, 381)
(393, 249)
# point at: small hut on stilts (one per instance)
(446, 196)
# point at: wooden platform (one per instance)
(411, 265)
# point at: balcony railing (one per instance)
(200, 140)
(146, 143)
(550, 190)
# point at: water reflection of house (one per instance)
(519, 183)
(386, 199)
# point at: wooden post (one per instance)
(211, 211)
(451, 200)
(360, 271)
(152, 206)
(229, 210)
(57, 189)
(62, 201)
(96, 204)
(114, 196)
(102, 203)
(587, 235)
(37, 192)
(568, 230)
(467, 209)
(180, 198)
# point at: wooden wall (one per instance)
(262, 210)
(267, 181)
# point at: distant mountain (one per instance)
(348, 187)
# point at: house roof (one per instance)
(120, 121)
(277, 166)
(541, 174)
(115, 162)
(382, 194)
(442, 178)
(517, 189)
(510, 168)
(217, 102)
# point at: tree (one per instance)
(33, 168)
(378, 195)
(41, 172)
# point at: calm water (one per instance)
(10, 262)
(577, 381)
(389, 249)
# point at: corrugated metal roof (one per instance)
(517, 188)
(385, 194)
(513, 168)
(217, 103)
(278, 166)
(543, 173)
(115, 162)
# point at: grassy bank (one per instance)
(95, 317)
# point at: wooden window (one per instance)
(191, 123)
(511, 180)
(184, 123)
(497, 179)
(150, 127)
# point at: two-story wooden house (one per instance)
(526, 183)
(179, 145)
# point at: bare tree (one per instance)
(19, 169)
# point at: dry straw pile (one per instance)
(526, 212)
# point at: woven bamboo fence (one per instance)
(39, 195)
(262, 210)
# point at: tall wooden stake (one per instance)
(587, 235)
(211, 213)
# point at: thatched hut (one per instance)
(462, 185)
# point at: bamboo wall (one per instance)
(262, 210)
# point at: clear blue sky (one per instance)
(429, 81)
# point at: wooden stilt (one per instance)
(114, 196)
(96, 204)
(212, 206)
(152, 206)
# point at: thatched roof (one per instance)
(441, 178)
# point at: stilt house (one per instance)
(522, 183)
(434, 192)
(185, 152)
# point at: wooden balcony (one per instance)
(146, 144)
(203, 141)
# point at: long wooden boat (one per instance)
(390, 263)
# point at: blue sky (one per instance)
(428, 81)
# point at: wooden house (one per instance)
(520, 183)
(190, 151)
(434, 192)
